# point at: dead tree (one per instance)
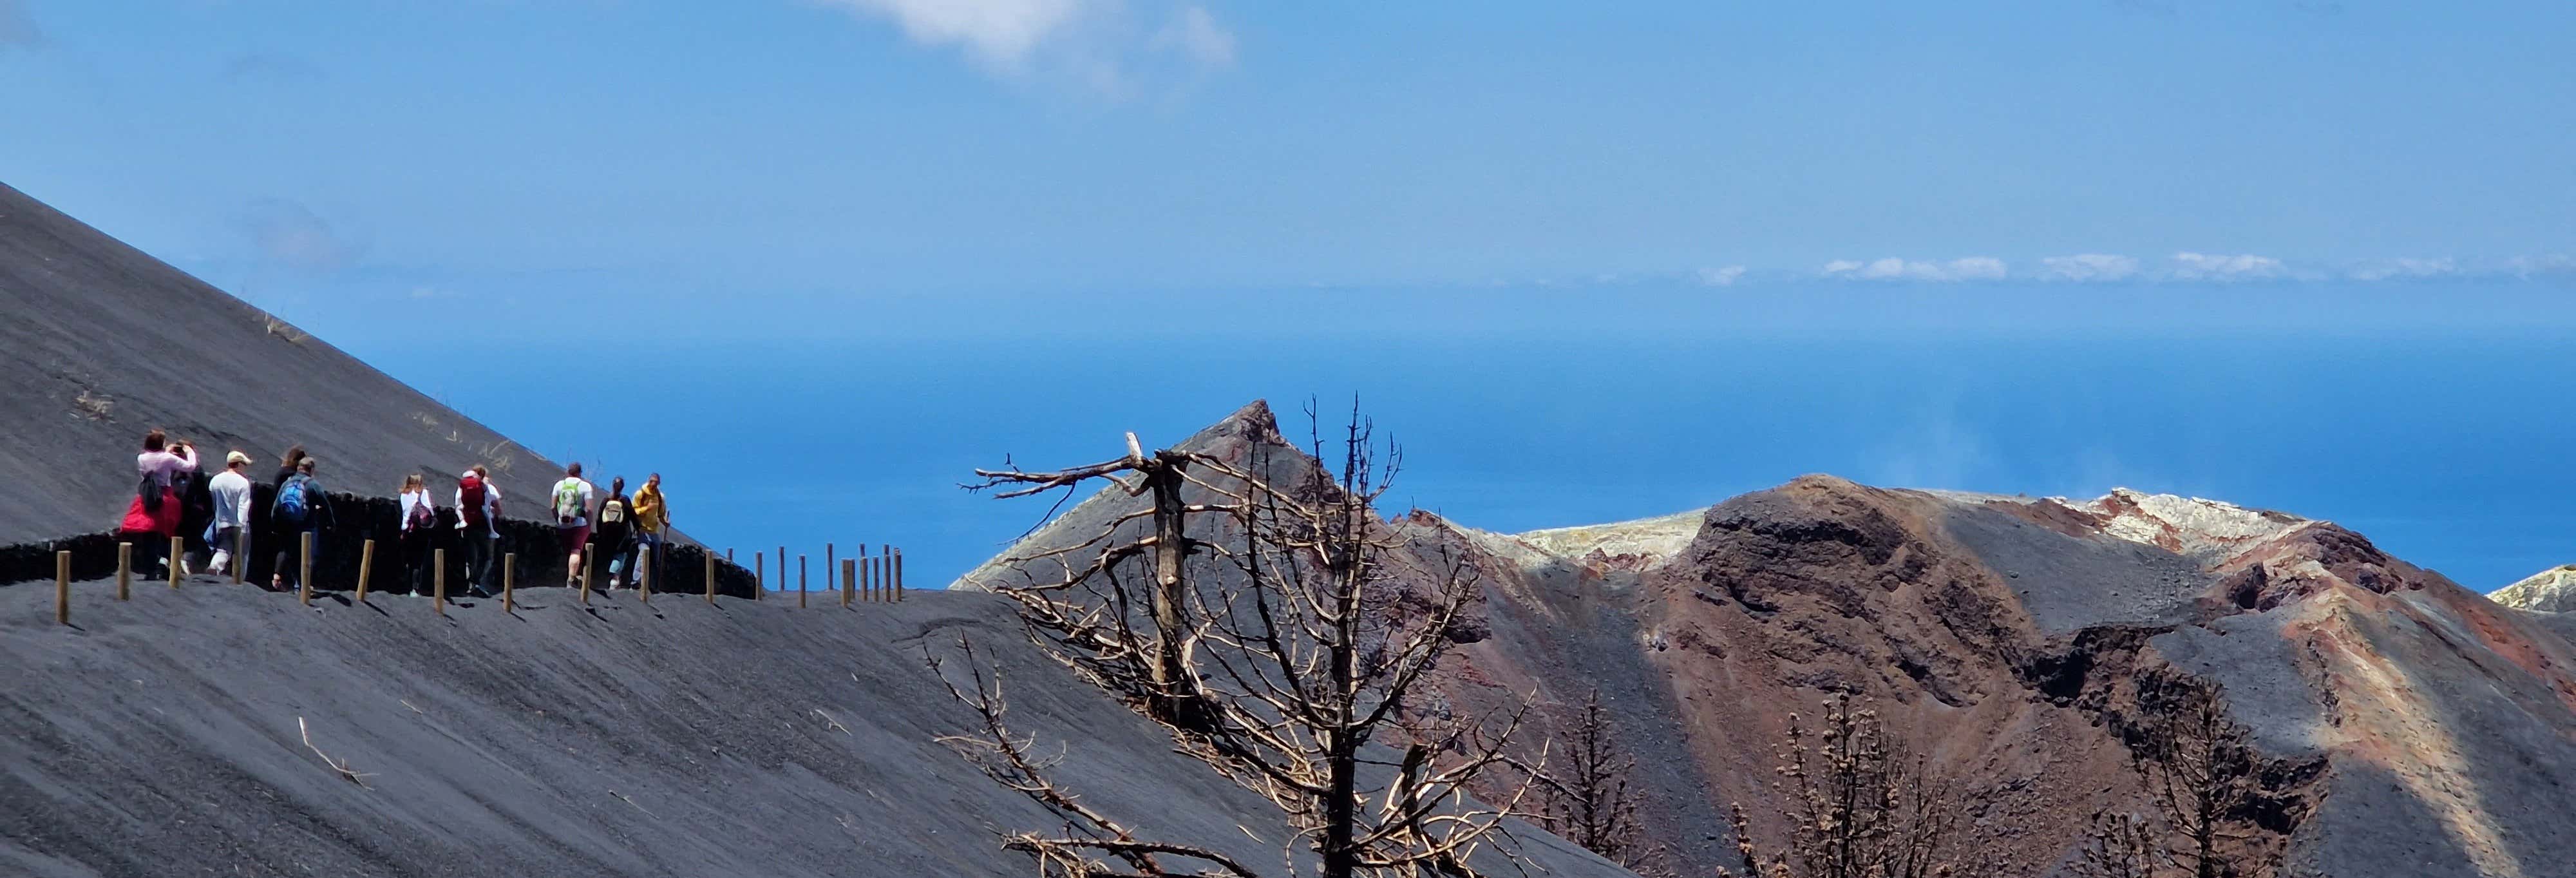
(2198, 769)
(1588, 800)
(2120, 845)
(1861, 805)
(1280, 641)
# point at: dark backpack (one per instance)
(469, 491)
(423, 516)
(150, 491)
(294, 503)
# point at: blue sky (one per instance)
(2044, 247)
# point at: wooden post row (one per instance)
(438, 575)
(367, 566)
(63, 587)
(509, 582)
(124, 569)
(304, 570)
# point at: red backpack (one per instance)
(469, 504)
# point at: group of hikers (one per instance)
(171, 492)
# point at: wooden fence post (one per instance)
(782, 576)
(367, 565)
(304, 570)
(644, 576)
(63, 587)
(241, 550)
(898, 574)
(124, 569)
(439, 576)
(178, 558)
(509, 582)
(828, 566)
(849, 579)
(800, 579)
(870, 577)
(586, 570)
(710, 558)
(759, 569)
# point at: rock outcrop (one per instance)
(2402, 725)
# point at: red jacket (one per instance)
(164, 522)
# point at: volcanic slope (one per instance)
(104, 342)
(2403, 725)
(168, 736)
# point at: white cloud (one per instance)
(2527, 267)
(2404, 268)
(2214, 267)
(2088, 268)
(1097, 43)
(1721, 277)
(291, 233)
(1000, 32)
(1195, 33)
(1891, 268)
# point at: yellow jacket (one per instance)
(650, 513)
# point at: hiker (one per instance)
(301, 507)
(269, 529)
(652, 519)
(573, 498)
(196, 518)
(153, 516)
(231, 492)
(610, 535)
(419, 520)
(478, 522)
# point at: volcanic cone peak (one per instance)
(2548, 591)
(2208, 531)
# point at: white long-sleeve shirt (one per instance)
(417, 498)
(232, 498)
(491, 505)
(163, 466)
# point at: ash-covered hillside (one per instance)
(104, 342)
(2400, 725)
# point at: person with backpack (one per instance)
(152, 517)
(478, 523)
(652, 518)
(419, 520)
(573, 498)
(301, 507)
(609, 536)
(231, 492)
